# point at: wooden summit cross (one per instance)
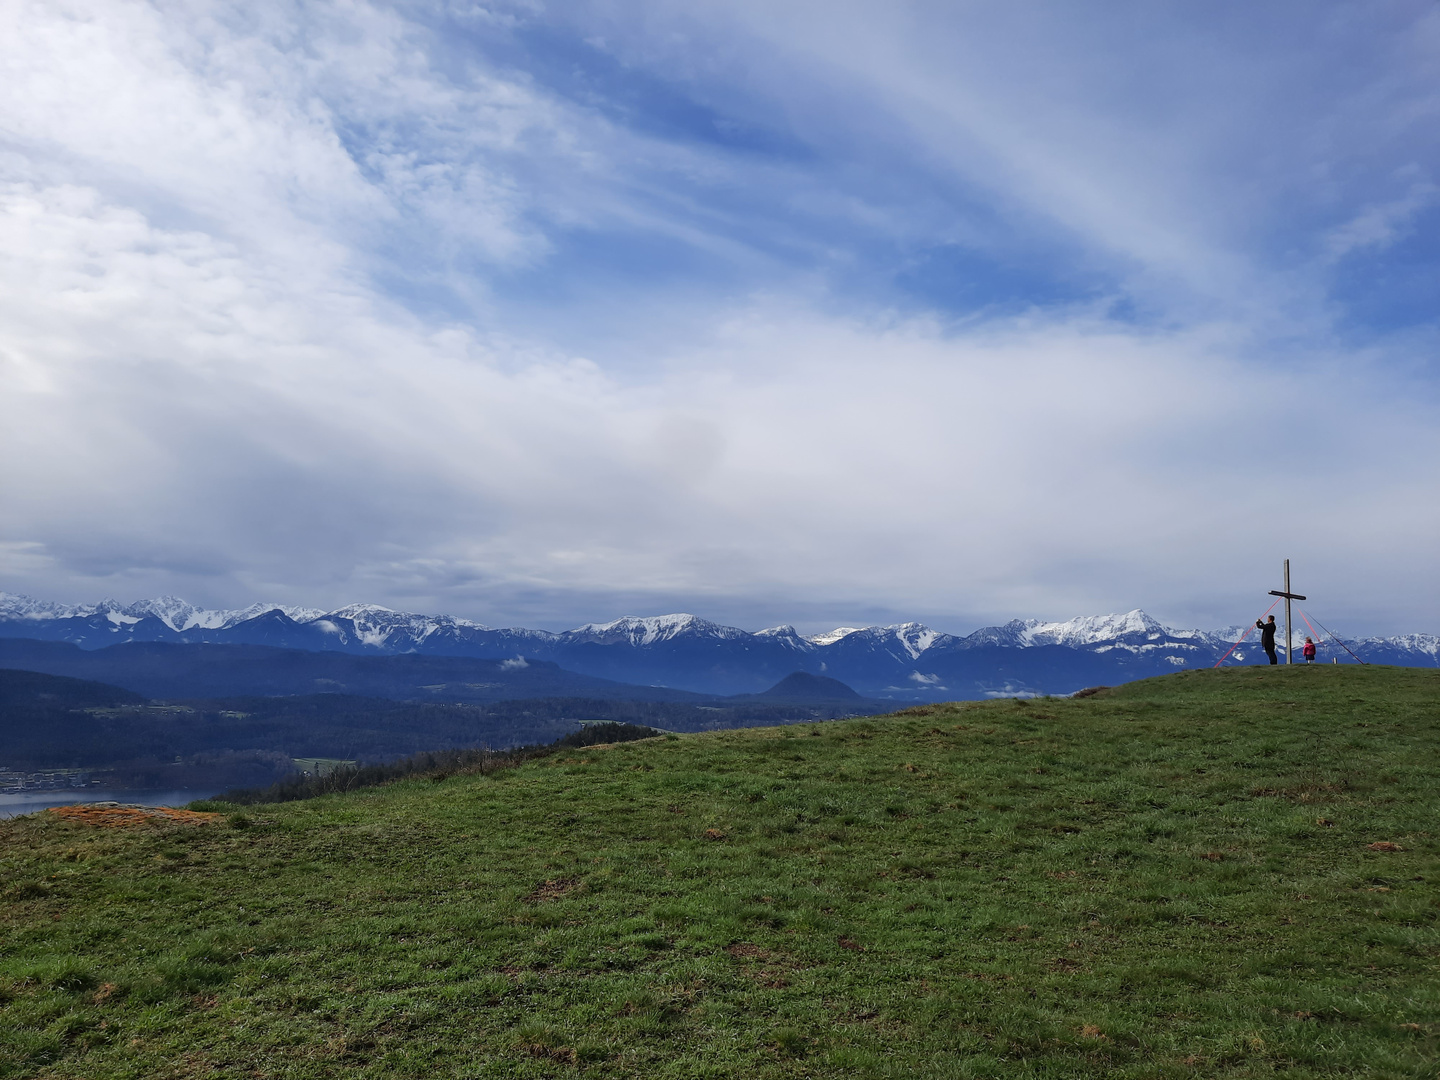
(1288, 595)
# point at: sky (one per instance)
(774, 312)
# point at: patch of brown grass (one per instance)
(1300, 793)
(743, 950)
(553, 889)
(765, 976)
(564, 1054)
(122, 817)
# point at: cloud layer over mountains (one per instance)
(771, 311)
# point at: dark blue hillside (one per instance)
(997, 670)
(709, 665)
(171, 671)
(803, 686)
(34, 690)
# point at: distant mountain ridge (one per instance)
(908, 661)
(175, 613)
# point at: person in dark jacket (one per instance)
(1267, 637)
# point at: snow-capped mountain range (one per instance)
(906, 660)
(175, 613)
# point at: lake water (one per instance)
(27, 802)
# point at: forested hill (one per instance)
(161, 670)
(50, 722)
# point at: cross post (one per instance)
(1288, 595)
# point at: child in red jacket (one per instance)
(1309, 651)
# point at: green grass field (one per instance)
(1175, 878)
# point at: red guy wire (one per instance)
(1332, 637)
(1245, 634)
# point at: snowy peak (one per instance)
(915, 637)
(1426, 644)
(361, 611)
(1131, 630)
(832, 636)
(171, 610)
(912, 638)
(177, 614)
(1013, 633)
(1092, 629)
(650, 629)
(223, 620)
(375, 615)
(786, 635)
(19, 606)
(180, 615)
(380, 627)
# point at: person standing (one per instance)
(1267, 638)
(1309, 651)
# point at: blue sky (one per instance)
(774, 312)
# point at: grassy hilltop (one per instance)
(1226, 873)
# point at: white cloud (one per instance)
(1381, 224)
(224, 233)
(1184, 149)
(193, 411)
